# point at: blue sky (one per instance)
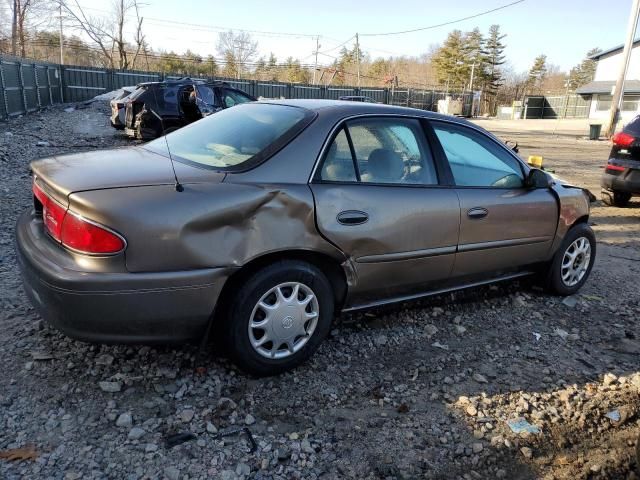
(562, 29)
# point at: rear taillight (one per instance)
(74, 231)
(615, 168)
(88, 237)
(623, 139)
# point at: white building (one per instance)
(601, 88)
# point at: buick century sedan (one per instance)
(257, 225)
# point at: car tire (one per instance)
(615, 199)
(567, 272)
(267, 299)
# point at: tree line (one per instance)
(465, 61)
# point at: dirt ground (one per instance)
(421, 390)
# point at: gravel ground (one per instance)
(424, 390)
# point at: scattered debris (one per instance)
(537, 336)
(440, 345)
(613, 415)
(519, 425)
(41, 356)
(111, 387)
(28, 452)
(478, 377)
(179, 438)
(570, 301)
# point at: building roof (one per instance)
(617, 49)
(630, 86)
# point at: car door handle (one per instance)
(352, 217)
(477, 213)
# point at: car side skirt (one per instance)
(431, 293)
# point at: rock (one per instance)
(380, 340)
(211, 428)
(172, 473)
(609, 379)
(136, 433)
(477, 447)
(104, 359)
(471, 410)
(124, 420)
(249, 419)
(228, 475)
(570, 301)
(243, 470)
(460, 329)
(430, 330)
(293, 436)
(186, 415)
(111, 387)
(42, 143)
(526, 452)
(150, 447)
(478, 377)
(563, 334)
(305, 446)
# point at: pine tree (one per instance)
(450, 62)
(491, 76)
(537, 73)
(584, 72)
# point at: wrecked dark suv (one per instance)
(157, 108)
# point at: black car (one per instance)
(621, 177)
(157, 108)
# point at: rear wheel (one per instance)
(615, 199)
(278, 317)
(572, 263)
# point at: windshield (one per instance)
(235, 137)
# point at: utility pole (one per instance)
(618, 93)
(473, 97)
(14, 27)
(358, 57)
(61, 36)
(315, 65)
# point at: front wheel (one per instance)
(278, 317)
(572, 263)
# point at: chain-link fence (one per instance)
(28, 85)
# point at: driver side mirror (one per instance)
(538, 179)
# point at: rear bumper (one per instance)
(627, 181)
(122, 307)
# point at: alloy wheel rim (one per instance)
(283, 320)
(576, 261)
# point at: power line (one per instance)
(442, 24)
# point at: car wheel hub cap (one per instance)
(576, 261)
(283, 320)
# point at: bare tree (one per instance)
(108, 33)
(27, 15)
(237, 49)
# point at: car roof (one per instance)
(345, 109)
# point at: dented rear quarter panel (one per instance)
(207, 225)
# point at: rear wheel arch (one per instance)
(328, 265)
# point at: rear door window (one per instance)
(386, 151)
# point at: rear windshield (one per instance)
(633, 127)
(235, 138)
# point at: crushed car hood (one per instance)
(115, 168)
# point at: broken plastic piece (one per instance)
(613, 415)
(519, 425)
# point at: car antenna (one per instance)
(178, 185)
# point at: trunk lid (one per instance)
(117, 168)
